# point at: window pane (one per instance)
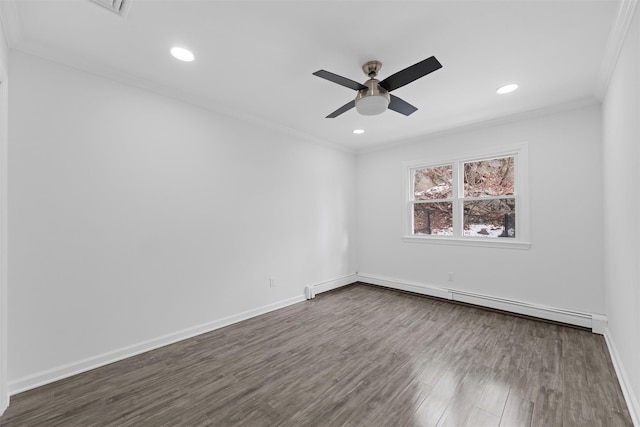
(434, 218)
(489, 178)
(433, 183)
(490, 218)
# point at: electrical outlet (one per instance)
(451, 277)
(272, 282)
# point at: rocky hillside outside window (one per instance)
(479, 199)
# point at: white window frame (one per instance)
(520, 153)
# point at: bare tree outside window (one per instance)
(489, 178)
(433, 187)
(481, 194)
(433, 218)
(433, 183)
(489, 207)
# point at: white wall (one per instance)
(621, 154)
(562, 269)
(4, 83)
(134, 216)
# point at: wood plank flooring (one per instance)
(357, 356)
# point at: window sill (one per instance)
(468, 241)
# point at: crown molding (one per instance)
(102, 70)
(488, 122)
(10, 21)
(615, 42)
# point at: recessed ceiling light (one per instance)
(358, 131)
(182, 54)
(506, 88)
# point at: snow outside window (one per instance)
(478, 200)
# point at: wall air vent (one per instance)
(116, 6)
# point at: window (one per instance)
(473, 200)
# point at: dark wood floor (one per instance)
(358, 356)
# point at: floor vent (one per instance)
(115, 6)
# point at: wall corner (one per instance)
(599, 323)
(624, 381)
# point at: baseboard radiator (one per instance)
(596, 322)
(309, 292)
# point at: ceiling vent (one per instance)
(116, 6)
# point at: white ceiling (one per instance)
(255, 58)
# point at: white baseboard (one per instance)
(403, 285)
(70, 369)
(312, 290)
(596, 322)
(4, 405)
(625, 384)
(599, 323)
(529, 309)
(50, 375)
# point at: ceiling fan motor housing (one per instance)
(373, 96)
(372, 100)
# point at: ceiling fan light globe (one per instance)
(372, 105)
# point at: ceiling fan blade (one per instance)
(401, 106)
(342, 81)
(410, 74)
(346, 107)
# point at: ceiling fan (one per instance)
(373, 96)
